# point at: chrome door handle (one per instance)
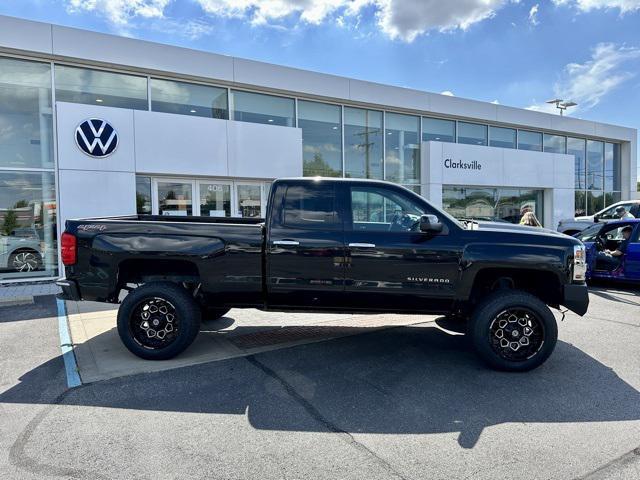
(362, 245)
(286, 243)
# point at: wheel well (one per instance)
(544, 285)
(145, 271)
(25, 249)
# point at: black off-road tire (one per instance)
(185, 323)
(533, 319)
(212, 313)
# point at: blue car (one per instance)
(608, 236)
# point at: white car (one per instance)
(575, 225)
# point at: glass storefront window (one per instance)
(472, 133)
(438, 129)
(215, 200)
(28, 220)
(260, 108)
(363, 154)
(143, 195)
(612, 197)
(492, 203)
(595, 165)
(611, 166)
(189, 99)
(26, 138)
(577, 148)
(249, 201)
(96, 87)
(402, 156)
(175, 198)
(555, 143)
(595, 202)
(502, 137)
(580, 203)
(528, 140)
(321, 126)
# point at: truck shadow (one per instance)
(410, 380)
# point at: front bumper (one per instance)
(69, 289)
(576, 298)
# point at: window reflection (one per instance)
(96, 87)
(143, 195)
(611, 166)
(492, 203)
(502, 137)
(595, 165)
(472, 133)
(188, 99)
(175, 198)
(26, 139)
(28, 213)
(249, 201)
(529, 140)
(554, 143)
(260, 108)
(438, 129)
(215, 200)
(363, 143)
(321, 126)
(402, 158)
(577, 148)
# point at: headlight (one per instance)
(579, 263)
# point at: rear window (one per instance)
(310, 206)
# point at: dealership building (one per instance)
(94, 124)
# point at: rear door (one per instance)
(305, 246)
(391, 264)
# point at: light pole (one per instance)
(561, 104)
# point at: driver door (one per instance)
(391, 264)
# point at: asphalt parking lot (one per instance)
(409, 402)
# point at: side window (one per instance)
(609, 214)
(310, 207)
(376, 209)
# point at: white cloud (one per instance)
(407, 19)
(589, 82)
(403, 19)
(496, 102)
(533, 14)
(587, 5)
(448, 93)
(398, 19)
(119, 12)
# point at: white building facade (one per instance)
(94, 124)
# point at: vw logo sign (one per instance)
(96, 138)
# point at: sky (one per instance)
(513, 52)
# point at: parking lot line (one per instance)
(70, 366)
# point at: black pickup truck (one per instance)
(329, 245)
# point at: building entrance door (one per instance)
(208, 198)
(249, 200)
(173, 197)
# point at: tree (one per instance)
(10, 222)
(21, 204)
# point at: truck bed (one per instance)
(223, 254)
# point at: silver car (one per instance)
(576, 225)
(21, 251)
